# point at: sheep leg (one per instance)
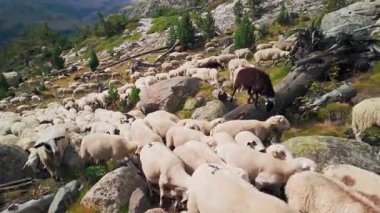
(257, 98)
(233, 94)
(161, 183)
(250, 96)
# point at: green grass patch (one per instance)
(316, 129)
(277, 73)
(331, 110)
(184, 114)
(205, 90)
(117, 40)
(160, 24)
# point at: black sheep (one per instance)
(255, 82)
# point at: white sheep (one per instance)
(202, 125)
(138, 114)
(263, 170)
(17, 128)
(78, 91)
(22, 108)
(161, 121)
(51, 146)
(36, 99)
(103, 127)
(102, 147)
(274, 54)
(162, 76)
(207, 74)
(196, 153)
(279, 151)
(262, 129)
(249, 139)
(149, 73)
(355, 178)
(244, 53)
(364, 115)
(142, 132)
(225, 58)
(210, 49)
(135, 76)
(167, 66)
(264, 46)
(223, 138)
(178, 135)
(161, 166)
(313, 192)
(284, 45)
(213, 188)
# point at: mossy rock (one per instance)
(328, 150)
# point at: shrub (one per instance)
(244, 35)
(163, 10)
(93, 61)
(207, 25)
(185, 30)
(255, 8)
(238, 11)
(94, 173)
(283, 16)
(112, 96)
(263, 30)
(134, 97)
(172, 37)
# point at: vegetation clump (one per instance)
(244, 35)
(93, 61)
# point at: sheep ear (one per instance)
(46, 145)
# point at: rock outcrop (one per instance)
(213, 109)
(328, 150)
(13, 78)
(350, 18)
(12, 160)
(113, 191)
(169, 95)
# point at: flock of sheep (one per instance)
(215, 166)
(196, 66)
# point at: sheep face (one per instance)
(280, 122)
(52, 149)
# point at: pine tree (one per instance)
(207, 25)
(244, 35)
(254, 8)
(238, 11)
(93, 61)
(185, 30)
(55, 59)
(172, 37)
(283, 16)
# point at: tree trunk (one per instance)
(341, 94)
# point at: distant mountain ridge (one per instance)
(61, 15)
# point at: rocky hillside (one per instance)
(132, 123)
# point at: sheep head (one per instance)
(279, 122)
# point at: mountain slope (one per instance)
(66, 16)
